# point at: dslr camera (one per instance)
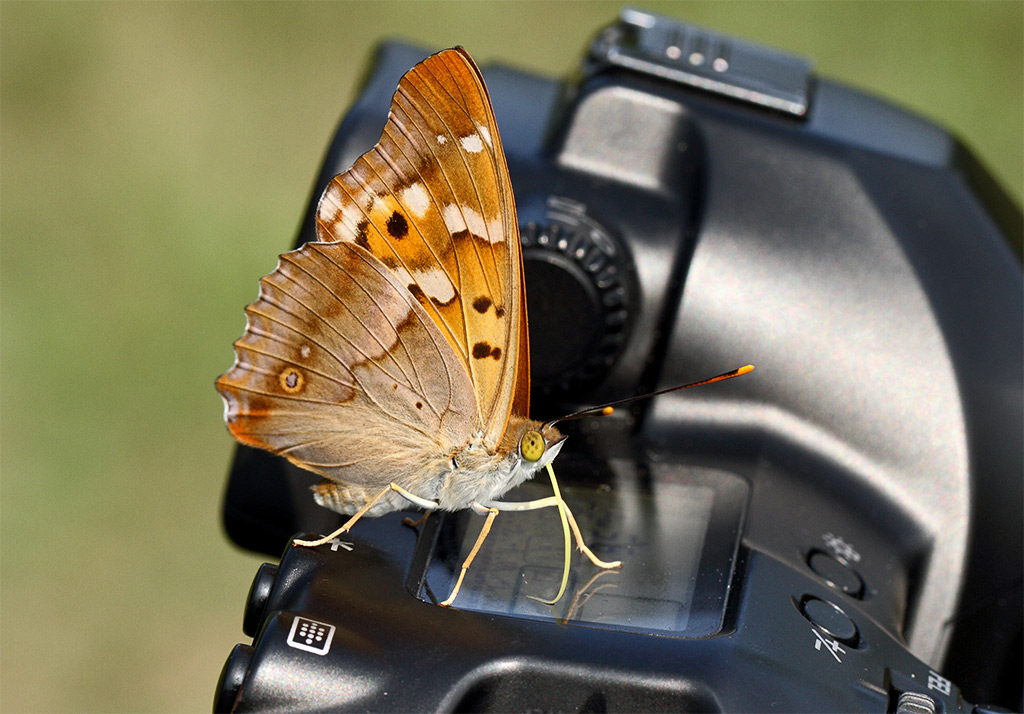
(839, 531)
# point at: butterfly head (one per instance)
(540, 445)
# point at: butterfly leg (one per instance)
(411, 497)
(423, 503)
(547, 503)
(491, 515)
(583, 546)
(418, 522)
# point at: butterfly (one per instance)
(391, 355)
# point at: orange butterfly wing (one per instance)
(433, 201)
(341, 371)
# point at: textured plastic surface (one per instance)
(390, 652)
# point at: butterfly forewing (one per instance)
(343, 372)
(433, 202)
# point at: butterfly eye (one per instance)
(532, 445)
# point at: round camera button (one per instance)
(232, 677)
(259, 594)
(836, 574)
(829, 619)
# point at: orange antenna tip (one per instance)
(744, 370)
(607, 411)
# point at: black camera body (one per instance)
(841, 530)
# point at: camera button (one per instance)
(259, 595)
(232, 677)
(829, 619)
(836, 574)
(915, 703)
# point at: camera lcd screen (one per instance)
(675, 528)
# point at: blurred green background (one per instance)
(154, 159)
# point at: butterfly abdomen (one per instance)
(347, 499)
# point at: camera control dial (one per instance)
(579, 296)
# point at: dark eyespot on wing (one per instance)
(481, 304)
(417, 292)
(482, 350)
(397, 226)
(291, 380)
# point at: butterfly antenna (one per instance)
(609, 408)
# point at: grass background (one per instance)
(154, 159)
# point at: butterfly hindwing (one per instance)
(342, 372)
(433, 202)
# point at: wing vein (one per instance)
(413, 314)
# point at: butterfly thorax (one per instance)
(481, 472)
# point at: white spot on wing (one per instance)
(452, 218)
(496, 233)
(304, 350)
(329, 205)
(442, 139)
(380, 206)
(472, 143)
(485, 133)
(351, 217)
(339, 215)
(459, 218)
(402, 274)
(416, 199)
(435, 284)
